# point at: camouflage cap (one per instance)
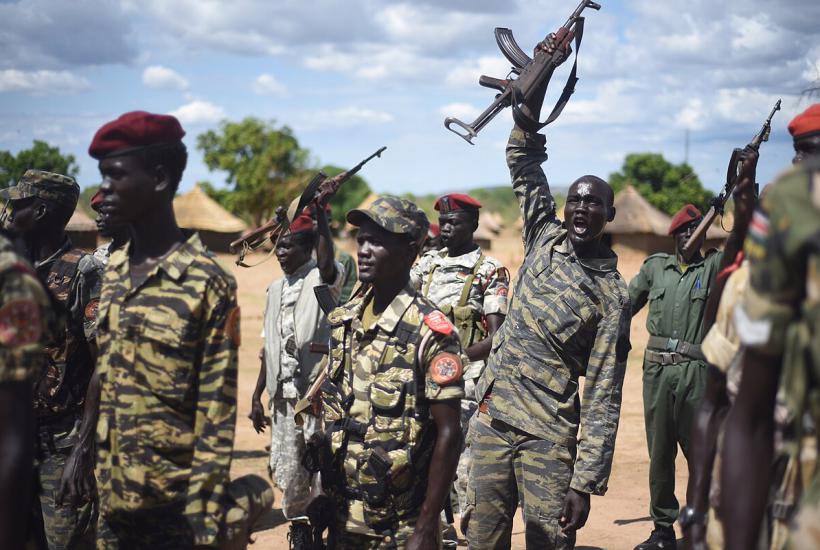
(45, 185)
(393, 214)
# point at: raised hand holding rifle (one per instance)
(533, 74)
(742, 166)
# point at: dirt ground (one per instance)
(618, 520)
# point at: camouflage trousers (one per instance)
(509, 466)
(465, 461)
(393, 541)
(166, 528)
(66, 526)
(286, 448)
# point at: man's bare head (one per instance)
(588, 209)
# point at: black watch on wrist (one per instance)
(689, 516)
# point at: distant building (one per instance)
(82, 230)
(216, 226)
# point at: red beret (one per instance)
(302, 222)
(456, 201)
(807, 122)
(134, 131)
(97, 200)
(434, 230)
(685, 215)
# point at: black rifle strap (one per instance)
(529, 124)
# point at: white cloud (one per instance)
(42, 82)
(344, 117)
(267, 84)
(462, 111)
(693, 115)
(158, 77)
(467, 73)
(199, 111)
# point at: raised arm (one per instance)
(325, 258)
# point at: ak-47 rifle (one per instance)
(732, 175)
(319, 188)
(531, 74)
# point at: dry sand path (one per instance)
(618, 520)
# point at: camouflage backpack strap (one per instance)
(468, 283)
(425, 289)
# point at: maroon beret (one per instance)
(302, 222)
(807, 122)
(97, 200)
(456, 201)
(434, 230)
(135, 131)
(685, 215)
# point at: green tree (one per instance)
(85, 200)
(666, 186)
(349, 196)
(266, 167)
(41, 156)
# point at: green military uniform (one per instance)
(168, 370)
(674, 369)
(350, 274)
(568, 317)
(466, 288)
(73, 278)
(780, 314)
(25, 318)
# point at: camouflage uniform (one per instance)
(466, 288)
(103, 253)
(168, 367)
(25, 318)
(376, 400)
(674, 377)
(74, 279)
(568, 317)
(288, 380)
(780, 314)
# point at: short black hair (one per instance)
(174, 157)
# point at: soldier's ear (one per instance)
(41, 211)
(162, 178)
(611, 214)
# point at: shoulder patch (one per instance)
(438, 322)
(91, 309)
(20, 323)
(446, 368)
(232, 329)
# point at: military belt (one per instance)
(671, 351)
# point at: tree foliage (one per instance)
(40, 156)
(349, 196)
(666, 186)
(266, 167)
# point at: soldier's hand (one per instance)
(76, 482)
(744, 194)
(258, 416)
(549, 46)
(576, 511)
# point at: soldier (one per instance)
(292, 323)
(169, 334)
(433, 240)
(569, 317)
(721, 347)
(471, 289)
(779, 327)
(42, 203)
(675, 369)
(391, 401)
(25, 326)
(119, 235)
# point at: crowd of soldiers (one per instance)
(431, 383)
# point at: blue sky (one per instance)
(351, 76)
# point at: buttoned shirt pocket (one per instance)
(700, 294)
(167, 357)
(388, 400)
(656, 300)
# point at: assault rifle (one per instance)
(732, 177)
(320, 189)
(531, 74)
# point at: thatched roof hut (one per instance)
(640, 227)
(216, 226)
(82, 230)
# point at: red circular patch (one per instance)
(91, 310)
(445, 368)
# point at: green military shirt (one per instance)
(568, 317)
(349, 275)
(25, 318)
(374, 365)
(168, 371)
(677, 299)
